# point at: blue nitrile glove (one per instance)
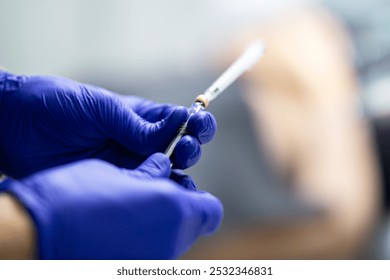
(49, 121)
(92, 209)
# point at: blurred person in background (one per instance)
(319, 101)
(303, 99)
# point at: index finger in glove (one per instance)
(134, 132)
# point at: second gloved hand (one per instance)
(94, 210)
(49, 121)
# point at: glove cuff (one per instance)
(36, 204)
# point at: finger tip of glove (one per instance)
(203, 126)
(187, 152)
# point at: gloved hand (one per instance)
(92, 209)
(50, 121)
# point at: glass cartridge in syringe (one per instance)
(244, 63)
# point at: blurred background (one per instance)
(301, 160)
